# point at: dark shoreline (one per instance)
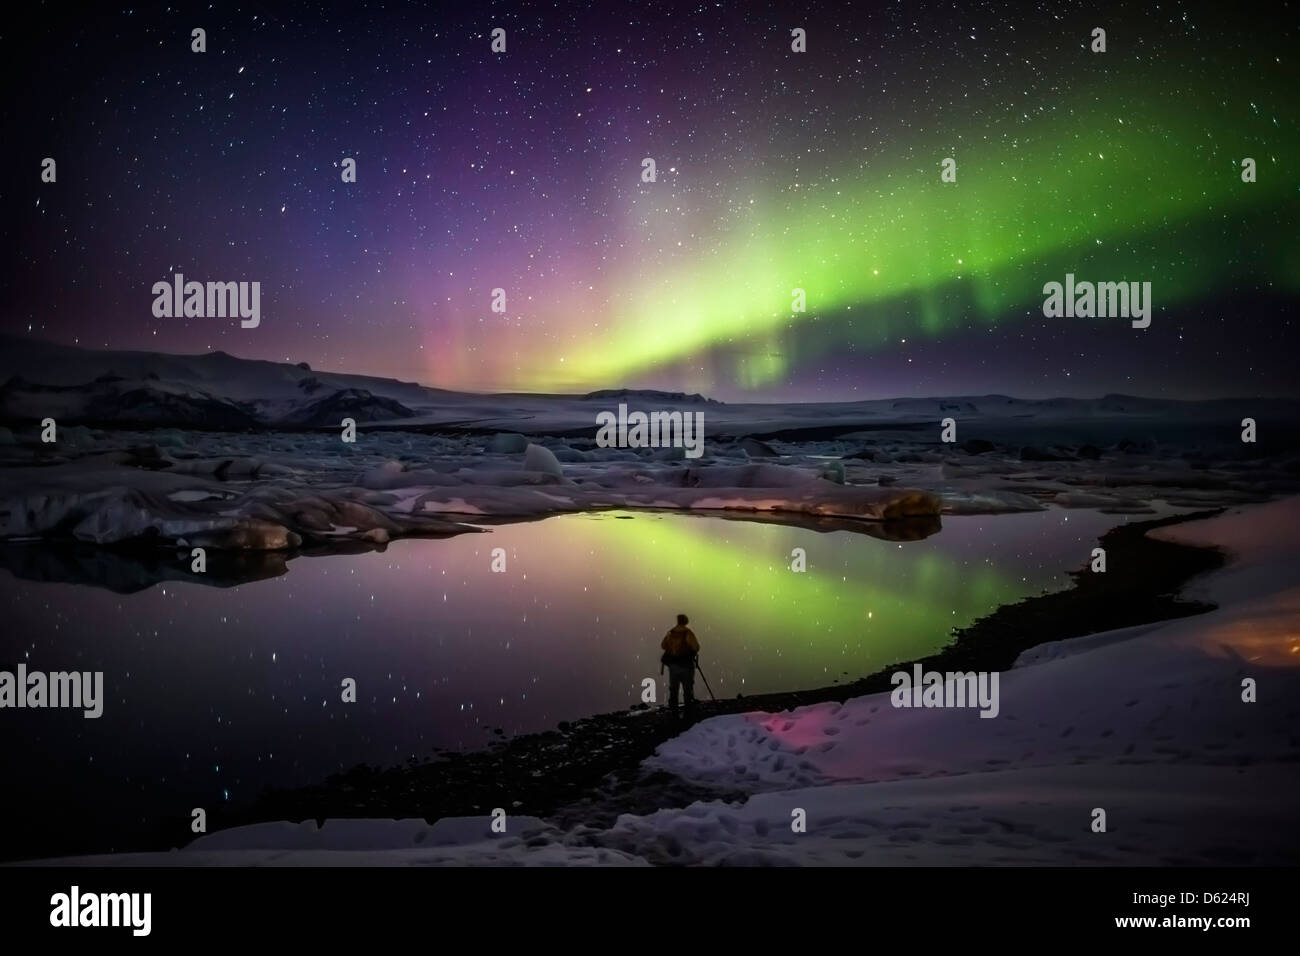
(588, 771)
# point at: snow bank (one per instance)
(453, 841)
(1020, 817)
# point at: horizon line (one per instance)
(634, 388)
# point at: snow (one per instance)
(1021, 817)
(541, 458)
(454, 841)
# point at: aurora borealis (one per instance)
(776, 170)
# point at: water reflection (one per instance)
(214, 692)
(127, 569)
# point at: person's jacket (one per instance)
(679, 646)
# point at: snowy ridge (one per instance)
(83, 385)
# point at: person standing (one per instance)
(680, 650)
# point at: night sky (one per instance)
(776, 170)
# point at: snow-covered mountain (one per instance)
(219, 390)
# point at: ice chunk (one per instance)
(539, 458)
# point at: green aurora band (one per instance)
(1152, 192)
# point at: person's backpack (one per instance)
(684, 657)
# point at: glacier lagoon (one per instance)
(213, 693)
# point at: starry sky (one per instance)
(776, 170)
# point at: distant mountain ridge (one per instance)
(217, 390)
(650, 394)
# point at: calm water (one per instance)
(212, 693)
